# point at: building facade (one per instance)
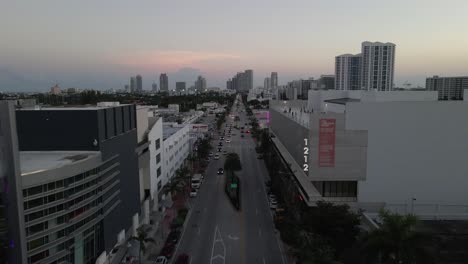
(448, 88)
(139, 84)
(267, 83)
(132, 84)
(274, 79)
(163, 82)
(348, 72)
(78, 165)
(180, 87)
(154, 87)
(327, 82)
(378, 62)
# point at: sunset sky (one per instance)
(100, 44)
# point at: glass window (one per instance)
(159, 172)
(158, 143)
(35, 190)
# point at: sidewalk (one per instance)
(162, 229)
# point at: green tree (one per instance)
(143, 239)
(337, 223)
(397, 241)
(232, 162)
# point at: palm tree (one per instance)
(397, 241)
(143, 239)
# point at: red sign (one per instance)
(327, 142)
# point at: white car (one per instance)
(161, 260)
(228, 141)
(273, 204)
(216, 157)
(211, 154)
(193, 193)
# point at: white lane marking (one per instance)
(259, 232)
(217, 238)
(233, 237)
(264, 260)
(198, 230)
(256, 211)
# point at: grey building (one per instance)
(132, 84)
(163, 82)
(249, 80)
(327, 81)
(378, 62)
(12, 231)
(243, 81)
(139, 84)
(180, 87)
(154, 87)
(229, 84)
(267, 83)
(274, 79)
(448, 88)
(79, 179)
(348, 72)
(200, 84)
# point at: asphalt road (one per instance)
(215, 231)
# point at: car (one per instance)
(211, 154)
(222, 138)
(114, 251)
(220, 171)
(193, 193)
(182, 259)
(273, 204)
(225, 152)
(161, 260)
(248, 131)
(242, 127)
(216, 157)
(173, 237)
(219, 149)
(167, 251)
(242, 131)
(228, 141)
(271, 196)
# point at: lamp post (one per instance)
(412, 204)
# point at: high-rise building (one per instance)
(55, 90)
(139, 84)
(249, 80)
(132, 84)
(448, 88)
(348, 72)
(274, 79)
(163, 82)
(180, 87)
(378, 60)
(79, 189)
(267, 83)
(327, 82)
(229, 84)
(127, 88)
(154, 87)
(200, 84)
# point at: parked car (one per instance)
(273, 204)
(167, 251)
(242, 135)
(161, 260)
(211, 154)
(173, 237)
(228, 141)
(193, 193)
(216, 157)
(182, 259)
(220, 171)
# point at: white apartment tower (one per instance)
(348, 72)
(378, 60)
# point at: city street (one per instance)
(215, 231)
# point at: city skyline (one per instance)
(95, 53)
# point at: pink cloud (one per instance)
(172, 59)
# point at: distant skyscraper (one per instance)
(132, 84)
(348, 72)
(180, 87)
(154, 87)
(229, 84)
(267, 83)
(448, 88)
(139, 84)
(200, 84)
(163, 82)
(55, 90)
(274, 79)
(127, 88)
(378, 60)
(249, 80)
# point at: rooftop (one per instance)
(37, 161)
(170, 129)
(342, 101)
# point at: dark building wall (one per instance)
(291, 134)
(57, 130)
(12, 233)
